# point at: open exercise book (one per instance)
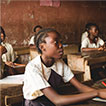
(99, 99)
(13, 79)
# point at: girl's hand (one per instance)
(9, 63)
(100, 48)
(102, 93)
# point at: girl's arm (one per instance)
(91, 49)
(88, 93)
(102, 93)
(67, 99)
(81, 87)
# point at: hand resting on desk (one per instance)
(14, 68)
(11, 64)
(102, 93)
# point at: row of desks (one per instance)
(86, 61)
(11, 89)
(81, 62)
(12, 93)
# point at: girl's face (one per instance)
(38, 29)
(2, 37)
(53, 47)
(93, 31)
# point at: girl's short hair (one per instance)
(41, 35)
(91, 25)
(87, 26)
(2, 31)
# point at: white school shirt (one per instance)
(32, 40)
(86, 43)
(84, 35)
(34, 79)
(9, 55)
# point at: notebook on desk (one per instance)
(99, 99)
(13, 79)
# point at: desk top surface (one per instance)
(92, 54)
(90, 103)
(12, 80)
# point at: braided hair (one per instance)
(41, 35)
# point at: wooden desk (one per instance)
(71, 48)
(86, 61)
(11, 86)
(89, 103)
(21, 50)
(22, 53)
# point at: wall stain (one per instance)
(18, 18)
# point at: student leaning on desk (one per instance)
(46, 72)
(8, 57)
(92, 42)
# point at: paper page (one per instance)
(99, 99)
(13, 79)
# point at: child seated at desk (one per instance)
(8, 57)
(47, 71)
(92, 42)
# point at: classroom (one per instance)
(52, 53)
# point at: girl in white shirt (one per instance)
(35, 30)
(93, 41)
(9, 56)
(47, 71)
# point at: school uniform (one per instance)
(84, 35)
(38, 76)
(9, 55)
(32, 40)
(87, 44)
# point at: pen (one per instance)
(104, 83)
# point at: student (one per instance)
(47, 71)
(10, 55)
(2, 51)
(35, 30)
(85, 33)
(93, 41)
(9, 58)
